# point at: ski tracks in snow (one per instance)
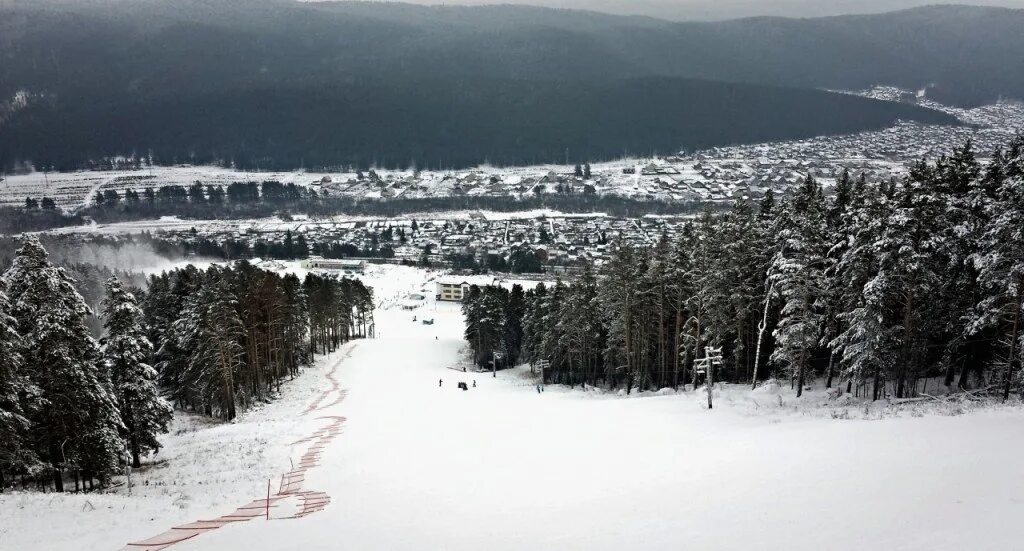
(292, 484)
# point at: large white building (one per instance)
(452, 289)
(344, 265)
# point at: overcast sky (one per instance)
(726, 9)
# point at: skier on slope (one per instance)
(440, 383)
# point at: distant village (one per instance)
(547, 241)
(559, 243)
(721, 174)
(716, 175)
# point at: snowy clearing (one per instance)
(501, 466)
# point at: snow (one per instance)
(723, 170)
(302, 222)
(204, 469)
(502, 467)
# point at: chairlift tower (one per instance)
(712, 359)
(495, 356)
(543, 364)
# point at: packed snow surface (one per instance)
(502, 467)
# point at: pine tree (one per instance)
(1000, 264)
(533, 329)
(912, 268)
(127, 352)
(617, 299)
(77, 425)
(964, 214)
(210, 329)
(296, 325)
(797, 273)
(746, 251)
(579, 330)
(709, 317)
(551, 337)
(17, 395)
(863, 340)
(515, 308)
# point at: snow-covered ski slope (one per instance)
(501, 467)
(420, 466)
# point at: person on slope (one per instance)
(440, 383)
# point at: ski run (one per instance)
(420, 464)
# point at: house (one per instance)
(452, 290)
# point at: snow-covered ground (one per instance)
(300, 223)
(501, 466)
(204, 470)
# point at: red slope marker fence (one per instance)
(290, 487)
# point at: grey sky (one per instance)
(726, 9)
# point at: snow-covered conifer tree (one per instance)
(127, 352)
(210, 329)
(77, 425)
(579, 330)
(16, 395)
(1000, 264)
(797, 272)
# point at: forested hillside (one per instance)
(875, 289)
(214, 342)
(274, 83)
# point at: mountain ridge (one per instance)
(79, 63)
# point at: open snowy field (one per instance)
(420, 466)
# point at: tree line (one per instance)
(31, 218)
(71, 406)
(213, 342)
(201, 201)
(148, 203)
(875, 290)
(494, 324)
(226, 337)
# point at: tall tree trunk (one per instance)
(710, 378)
(55, 460)
(133, 440)
(908, 339)
(878, 377)
(760, 335)
(800, 372)
(831, 363)
(1008, 375)
(675, 347)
